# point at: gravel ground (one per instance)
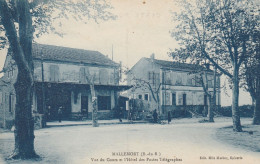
(182, 141)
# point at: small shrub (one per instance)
(203, 121)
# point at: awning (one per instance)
(115, 87)
(98, 86)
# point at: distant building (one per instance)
(60, 82)
(177, 84)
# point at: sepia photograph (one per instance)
(129, 82)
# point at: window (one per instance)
(104, 102)
(154, 78)
(173, 98)
(179, 80)
(8, 74)
(198, 81)
(10, 103)
(167, 78)
(104, 76)
(184, 99)
(189, 81)
(146, 96)
(54, 73)
(82, 75)
(12, 72)
(140, 97)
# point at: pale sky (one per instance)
(139, 30)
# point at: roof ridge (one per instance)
(66, 47)
(61, 53)
(175, 64)
(170, 61)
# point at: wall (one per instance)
(178, 82)
(184, 78)
(76, 73)
(194, 95)
(141, 71)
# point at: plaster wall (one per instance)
(73, 73)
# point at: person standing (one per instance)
(169, 117)
(155, 116)
(60, 113)
(120, 113)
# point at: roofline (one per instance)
(118, 65)
(135, 65)
(187, 70)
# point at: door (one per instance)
(84, 105)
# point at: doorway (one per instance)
(84, 105)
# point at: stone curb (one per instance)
(112, 123)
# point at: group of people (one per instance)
(60, 113)
(155, 116)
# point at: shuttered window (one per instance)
(184, 99)
(54, 73)
(174, 99)
(104, 77)
(82, 75)
(154, 78)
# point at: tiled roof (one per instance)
(65, 54)
(176, 65)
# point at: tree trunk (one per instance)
(24, 122)
(256, 118)
(213, 97)
(94, 106)
(235, 110)
(211, 108)
(158, 104)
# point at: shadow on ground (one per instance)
(248, 139)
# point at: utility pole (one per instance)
(43, 93)
(112, 52)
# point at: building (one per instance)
(62, 78)
(173, 85)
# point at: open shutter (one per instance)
(82, 74)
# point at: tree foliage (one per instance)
(48, 15)
(252, 76)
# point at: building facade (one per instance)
(169, 85)
(62, 79)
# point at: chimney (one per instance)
(152, 56)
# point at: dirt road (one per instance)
(183, 141)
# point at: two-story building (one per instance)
(62, 78)
(169, 85)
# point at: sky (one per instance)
(142, 27)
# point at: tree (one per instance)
(203, 79)
(218, 31)
(252, 76)
(22, 20)
(211, 97)
(142, 83)
(91, 79)
(253, 86)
